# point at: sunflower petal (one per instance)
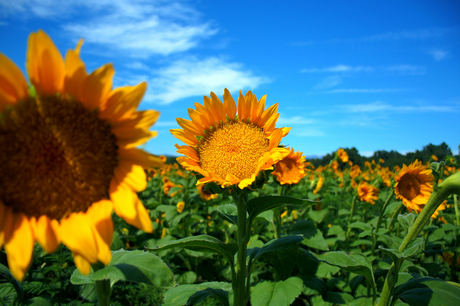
(131, 174)
(13, 85)
(84, 243)
(46, 233)
(45, 65)
(19, 245)
(97, 87)
(123, 102)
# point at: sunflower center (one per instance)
(56, 157)
(409, 186)
(233, 148)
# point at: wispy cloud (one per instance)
(384, 107)
(366, 90)
(329, 82)
(142, 28)
(397, 69)
(193, 77)
(296, 120)
(438, 54)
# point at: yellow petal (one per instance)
(229, 105)
(76, 73)
(19, 245)
(45, 65)
(13, 85)
(77, 234)
(128, 206)
(97, 86)
(141, 158)
(123, 102)
(45, 231)
(82, 264)
(100, 214)
(131, 174)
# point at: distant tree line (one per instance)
(391, 158)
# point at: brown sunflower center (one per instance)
(233, 148)
(56, 157)
(409, 186)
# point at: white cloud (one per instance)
(141, 27)
(365, 90)
(311, 132)
(384, 107)
(193, 77)
(296, 120)
(398, 69)
(329, 82)
(438, 54)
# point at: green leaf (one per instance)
(39, 301)
(338, 298)
(5, 272)
(188, 277)
(307, 263)
(318, 216)
(361, 225)
(258, 205)
(355, 263)
(406, 220)
(181, 295)
(281, 293)
(134, 266)
(219, 294)
(411, 249)
(427, 291)
(202, 243)
(229, 211)
(313, 237)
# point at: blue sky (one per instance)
(375, 75)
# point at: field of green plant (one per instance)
(327, 240)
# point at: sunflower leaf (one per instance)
(134, 266)
(202, 243)
(229, 212)
(194, 293)
(258, 205)
(4, 271)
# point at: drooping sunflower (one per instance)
(414, 185)
(227, 148)
(68, 156)
(291, 169)
(367, 192)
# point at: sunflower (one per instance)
(291, 169)
(68, 157)
(342, 154)
(414, 185)
(368, 193)
(226, 148)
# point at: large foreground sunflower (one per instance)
(291, 169)
(227, 148)
(414, 185)
(68, 156)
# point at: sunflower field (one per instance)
(88, 218)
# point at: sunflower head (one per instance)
(291, 169)
(368, 193)
(230, 144)
(68, 156)
(342, 155)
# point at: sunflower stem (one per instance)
(450, 185)
(379, 221)
(239, 285)
(103, 289)
(347, 238)
(394, 215)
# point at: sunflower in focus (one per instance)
(291, 169)
(226, 148)
(68, 157)
(368, 193)
(414, 185)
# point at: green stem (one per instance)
(347, 238)
(277, 214)
(379, 221)
(239, 285)
(450, 185)
(103, 288)
(393, 218)
(456, 209)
